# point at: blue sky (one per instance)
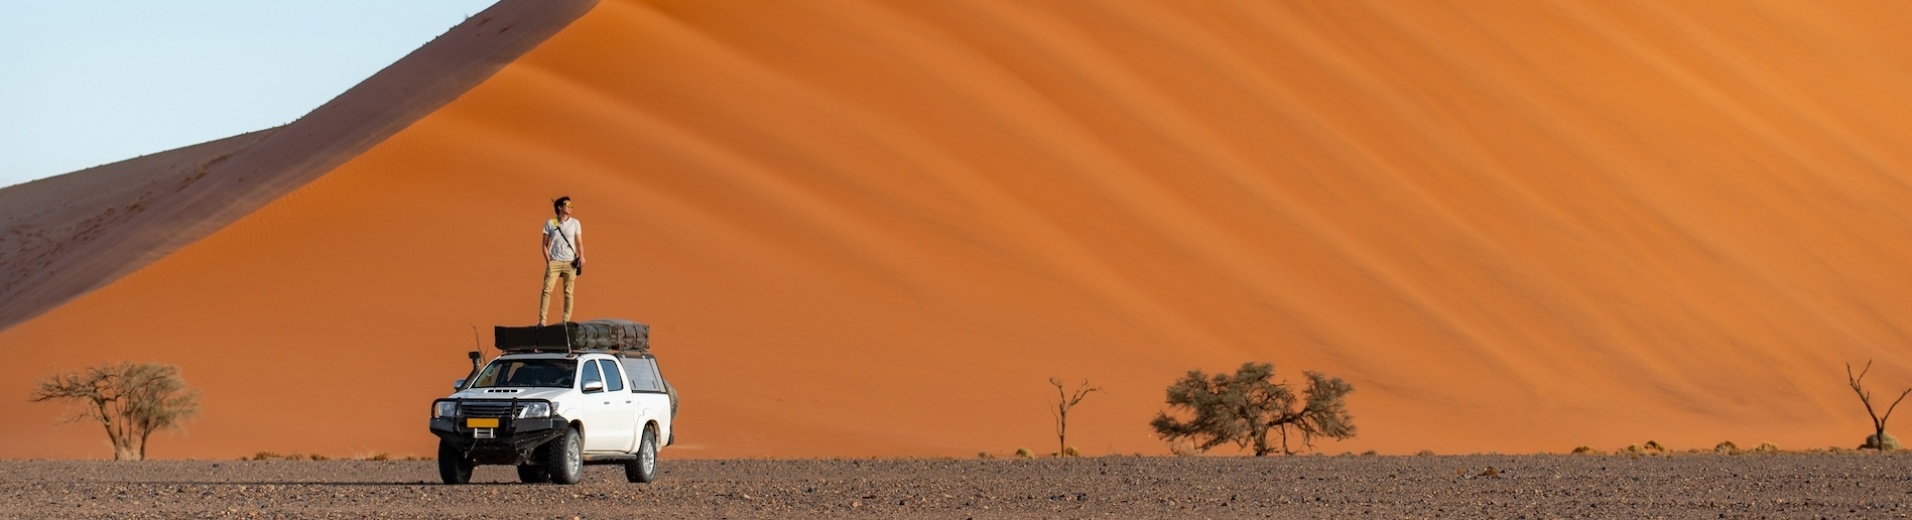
(86, 82)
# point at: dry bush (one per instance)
(131, 400)
(1766, 447)
(1070, 451)
(984, 455)
(1424, 453)
(1252, 411)
(1726, 447)
(1654, 446)
(1587, 450)
(1872, 442)
(1370, 453)
(1023, 453)
(273, 455)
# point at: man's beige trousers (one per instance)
(551, 274)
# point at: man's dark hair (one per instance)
(556, 205)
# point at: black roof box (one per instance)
(609, 334)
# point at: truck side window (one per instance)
(643, 375)
(613, 379)
(591, 374)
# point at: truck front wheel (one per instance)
(564, 458)
(453, 466)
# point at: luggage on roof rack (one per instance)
(574, 336)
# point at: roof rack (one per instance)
(572, 337)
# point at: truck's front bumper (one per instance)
(514, 441)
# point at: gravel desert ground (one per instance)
(1818, 485)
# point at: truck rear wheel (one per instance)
(644, 469)
(453, 466)
(564, 458)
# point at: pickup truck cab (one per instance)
(550, 413)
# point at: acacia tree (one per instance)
(1878, 440)
(129, 400)
(1243, 408)
(1065, 401)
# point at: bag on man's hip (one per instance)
(577, 267)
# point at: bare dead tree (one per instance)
(1878, 421)
(1064, 401)
(131, 401)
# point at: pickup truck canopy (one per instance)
(608, 334)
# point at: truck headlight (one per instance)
(445, 409)
(534, 410)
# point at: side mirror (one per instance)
(457, 384)
(593, 386)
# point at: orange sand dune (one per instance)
(876, 228)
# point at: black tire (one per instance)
(564, 458)
(533, 474)
(644, 469)
(453, 467)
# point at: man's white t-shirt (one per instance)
(561, 250)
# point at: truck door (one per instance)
(604, 428)
(622, 411)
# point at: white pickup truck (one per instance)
(550, 413)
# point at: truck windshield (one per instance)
(527, 372)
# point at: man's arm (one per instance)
(577, 245)
(546, 250)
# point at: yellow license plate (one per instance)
(475, 422)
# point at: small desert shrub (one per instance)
(316, 456)
(984, 455)
(1424, 453)
(1726, 447)
(1587, 450)
(1766, 447)
(1071, 452)
(1183, 448)
(1023, 453)
(1370, 453)
(379, 457)
(1654, 446)
(1872, 443)
(1490, 472)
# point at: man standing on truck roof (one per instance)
(563, 256)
